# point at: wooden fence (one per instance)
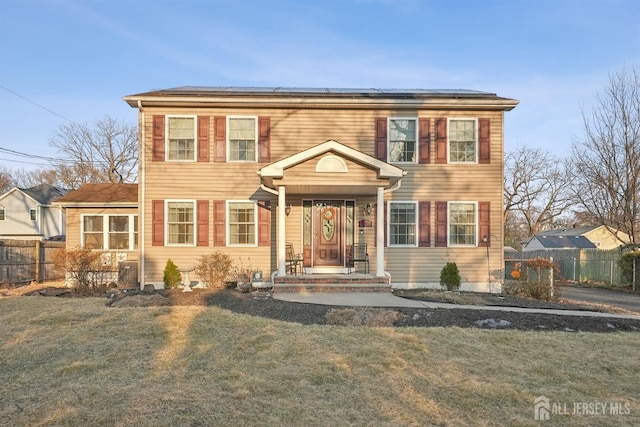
(577, 265)
(24, 261)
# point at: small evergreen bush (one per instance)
(450, 277)
(172, 276)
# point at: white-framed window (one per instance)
(463, 223)
(403, 140)
(242, 134)
(180, 217)
(3, 213)
(181, 138)
(110, 232)
(463, 140)
(242, 223)
(403, 219)
(33, 214)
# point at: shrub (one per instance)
(536, 290)
(243, 275)
(450, 277)
(214, 269)
(83, 265)
(626, 264)
(172, 276)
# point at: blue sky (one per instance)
(73, 59)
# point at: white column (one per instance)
(380, 232)
(282, 267)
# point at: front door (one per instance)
(328, 233)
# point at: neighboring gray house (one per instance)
(600, 236)
(545, 241)
(29, 213)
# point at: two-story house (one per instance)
(416, 175)
(30, 213)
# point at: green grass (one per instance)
(76, 362)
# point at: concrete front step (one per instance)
(332, 283)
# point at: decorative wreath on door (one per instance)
(328, 213)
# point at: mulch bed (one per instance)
(263, 305)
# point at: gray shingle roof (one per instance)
(560, 242)
(45, 193)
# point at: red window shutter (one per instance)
(264, 139)
(157, 223)
(484, 222)
(264, 223)
(425, 141)
(202, 223)
(158, 138)
(203, 138)
(484, 143)
(441, 141)
(425, 224)
(381, 139)
(441, 224)
(220, 139)
(219, 223)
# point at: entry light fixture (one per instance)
(367, 208)
(287, 209)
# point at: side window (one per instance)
(92, 232)
(3, 214)
(462, 223)
(463, 141)
(402, 140)
(180, 223)
(32, 214)
(242, 223)
(242, 134)
(402, 223)
(181, 134)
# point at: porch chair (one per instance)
(293, 260)
(358, 253)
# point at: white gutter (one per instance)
(269, 190)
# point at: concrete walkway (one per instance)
(384, 299)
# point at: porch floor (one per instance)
(354, 282)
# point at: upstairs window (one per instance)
(3, 214)
(32, 214)
(402, 140)
(462, 141)
(242, 133)
(181, 133)
(462, 223)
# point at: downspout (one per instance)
(141, 196)
(277, 271)
(380, 231)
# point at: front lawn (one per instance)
(78, 362)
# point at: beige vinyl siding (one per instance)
(293, 130)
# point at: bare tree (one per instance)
(536, 192)
(108, 152)
(606, 159)
(6, 182)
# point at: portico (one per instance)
(338, 194)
